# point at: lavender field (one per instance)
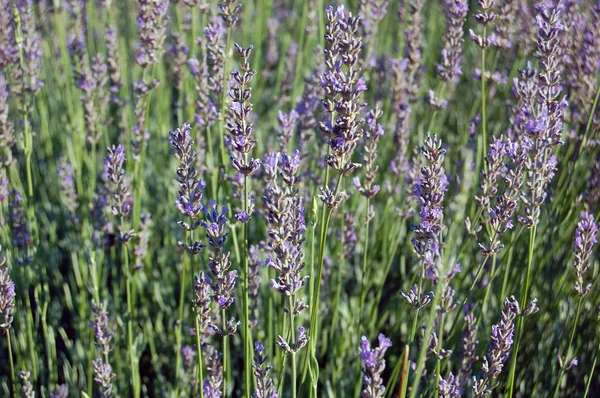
(285, 198)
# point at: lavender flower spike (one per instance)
(373, 366)
(27, 388)
(585, 239)
(456, 12)
(499, 348)
(152, 21)
(103, 333)
(7, 299)
(103, 375)
(264, 384)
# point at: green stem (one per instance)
(225, 361)
(483, 104)
(293, 339)
(438, 361)
(590, 118)
(563, 370)
(11, 363)
(247, 351)
(130, 353)
(314, 324)
(520, 320)
(364, 264)
(591, 374)
(413, 329)
(199, 373)
(178, 335)
(425, 345)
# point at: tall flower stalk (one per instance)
(343, 87)
(189, 206)
(242, 143)
(285, 212)
(7, 307)
(586, 237)
(544, 130)
(121, 202)
(485, 16)
(368, 188)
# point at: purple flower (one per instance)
(586, 237)
(103, 375)
(429, 190)
(215, 227)
(27, 388)
(239, 126)
(103, 333)
(67, 182)
(7, 298)
(190, 185)
(342, 87)
(60, 391)
(21, 238)
(264, 383)
(498, 349)
(450, 67)
(152, 22)
(373, 366)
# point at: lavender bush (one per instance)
(277, 198)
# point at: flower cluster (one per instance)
(484, 16)
(202, 301)
(152, 22)
(544, 128)
(7, 298)
(121, 198)
(190, 185)
(586, 236)
(498, 349)
(102, 332)
(264, 384)
(21, 238)
(373, 133)
(28, 43)
(27, 388)
(343, 88)
(450, 68)
(240, 129)
(103, 376)
(141, 90)
(430, 190)
(67, 182)
(373, 366)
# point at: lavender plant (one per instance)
(321, 228)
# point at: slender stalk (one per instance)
(130, 353)
(293, 339)
(178, 333)
(425, 345)
(438, 360)
(483, 105)
(563, 370)
(246, 336)
(222, 152)
(590, 118)
(519, 329)
(199, 373)
(314, 324)
(591, 374)
(225, 359)
(404, 373)
(413, 329)
(11, 364)
(364, 264)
